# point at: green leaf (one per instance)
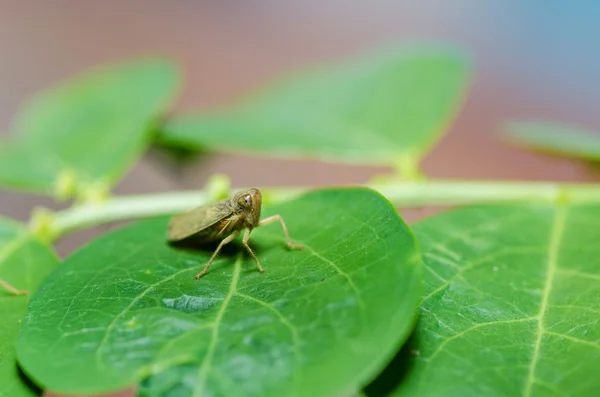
(379, 109)
(511, 303)
(85, 133)
(322, 321)
(24, 263)
(556, 139)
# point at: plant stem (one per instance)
(454, 192)
(400, 193)
(125, 208)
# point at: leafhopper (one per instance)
(224, 221)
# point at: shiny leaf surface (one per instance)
(511, 303)
(24, 263)
(323, 321)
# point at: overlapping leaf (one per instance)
(378, 109)
(85, 133)
(556, 139)
(24, 263)
(511, 303)
(318, 322)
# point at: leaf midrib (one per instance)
(555, 238)
(556, 234)
(205, 366)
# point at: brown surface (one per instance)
(229, 47)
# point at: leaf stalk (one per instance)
(416, 193)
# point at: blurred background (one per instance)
(535, 59)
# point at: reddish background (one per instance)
(535, 59)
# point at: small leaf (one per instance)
(126, 308)
(511, 303)
(379, 109)
(24, 263)
(87, 131)
(556, 139)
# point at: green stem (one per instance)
(125, 208)
(400, 193)
(455, 192)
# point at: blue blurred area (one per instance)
(551, 47)
(533, 59)
(546, 47)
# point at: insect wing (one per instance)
(191, 222)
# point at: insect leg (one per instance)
(245, 242)
(225, 226)
(12, 289)
(274, 218)
(226, 240)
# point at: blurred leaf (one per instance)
(322, 321)
(24, 263)
(174, 158)
(86, 132)
(556, 139)
(511, 303)
(378, 109)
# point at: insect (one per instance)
(224, 220)
(12, 289)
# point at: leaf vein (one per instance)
(206, 363)
(574, 339)
(340, 272)
(285, 321)
(135, 300)
(442, 345)
(577, 273)
(556, 234)
(131, 254)
(482, 260)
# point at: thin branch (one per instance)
(400, 193)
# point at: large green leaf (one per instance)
(556, 139)
(388, 105)
(318, 322)
(511, 303)
(88, 130)
(24, 263)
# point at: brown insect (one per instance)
(224, 220)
